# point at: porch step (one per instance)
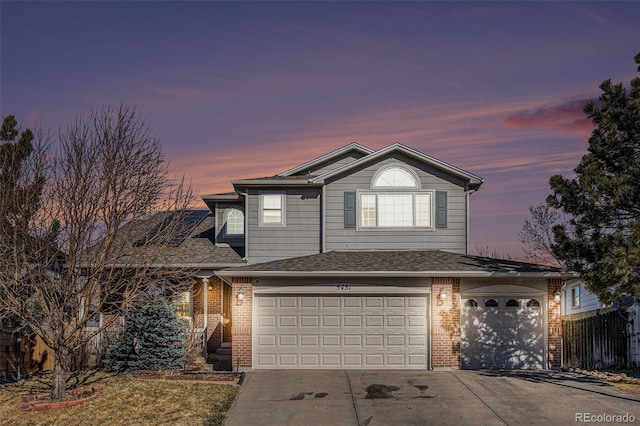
(221, 359)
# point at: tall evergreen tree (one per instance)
(152, 337)
(601, 241)
(20, 187)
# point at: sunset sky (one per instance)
(243, 89)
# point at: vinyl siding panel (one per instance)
(299, 237)
(588, 301)
(451, 238)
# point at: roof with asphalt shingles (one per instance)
(369, 261)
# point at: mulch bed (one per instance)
(190, 376)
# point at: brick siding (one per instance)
(554, 320)
(241, 344)
(445, 323)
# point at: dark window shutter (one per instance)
(441, 209)
(349, 209)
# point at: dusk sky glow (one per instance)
(243, 89)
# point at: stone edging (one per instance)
(37, 403)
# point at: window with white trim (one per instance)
(395, 201)
(234, 222)
(272, 210)
(575, 297)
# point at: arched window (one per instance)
(235, 222)
(395, 177)
(470, 304)
(533, 303)
(491, 303)
(512, 303)
(396, 200)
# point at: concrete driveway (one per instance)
(338, 397)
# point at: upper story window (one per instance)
(395, 200)
(575, 296)
(234, 222)
(272, 209)
(394, 177)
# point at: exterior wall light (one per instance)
(442, 296)
(557, 296)
(208, 283)
(240, 298)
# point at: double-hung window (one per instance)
(395, 201)
(272, 210)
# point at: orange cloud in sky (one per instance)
(566, 117)
(470, 135)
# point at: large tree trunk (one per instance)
(59, 383)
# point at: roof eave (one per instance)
(274, 182)
(221, 197)
(393, 274)
(222, 265)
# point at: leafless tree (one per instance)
(536, 234)
(486, 251)
(108, 214)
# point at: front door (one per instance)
(228, 321)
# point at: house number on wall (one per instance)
(343, 287)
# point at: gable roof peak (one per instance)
(353, 146)
(474, 181)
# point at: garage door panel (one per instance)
(374, 340)
(266, 302)
(288, 340)
(288, 302)
(374, 302)
(374, 360)
(352, 321)
(352, 302)
(395, 302)
(310, 360)
(309, 321)
(287, 321)
(309, 340)
(374, 321)
(363, 331)
(331, 360)
(309, 302)
(266, 320)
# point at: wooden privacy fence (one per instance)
(599, 341)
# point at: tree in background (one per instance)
(601, 240)
(108, 210)
(536, 234)
(153, 337)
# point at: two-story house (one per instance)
(360, 259)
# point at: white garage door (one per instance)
(502, 332)
(334, 332)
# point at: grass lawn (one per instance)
(126, 401)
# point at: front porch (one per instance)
(211, 322)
